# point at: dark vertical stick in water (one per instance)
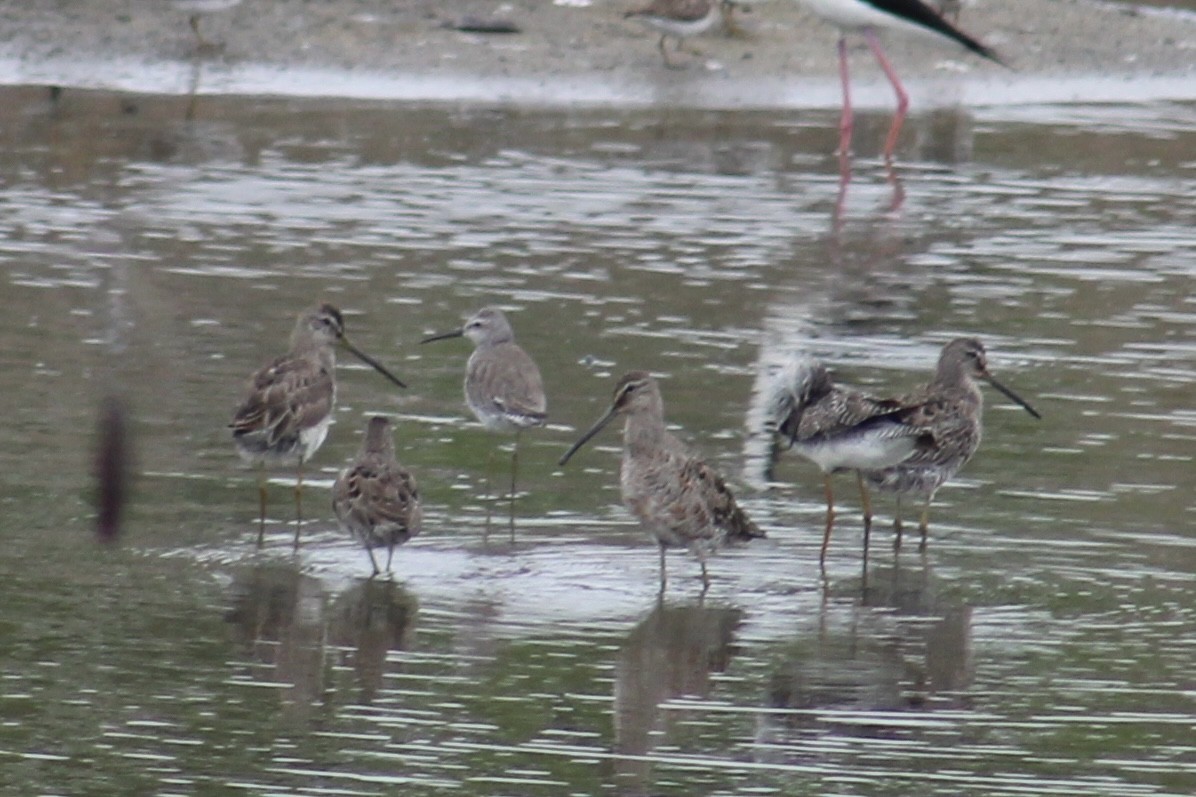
(112, 467)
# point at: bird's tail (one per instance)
(928, 18)
(742, 528)
(789, 391)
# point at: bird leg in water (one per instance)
(830, 517)
(514, 471)
(298, 502)
(664, 578)
(847, 120)
(902, 98)
(261, 502)
(489, 499)
(924, 523)
(867, 501)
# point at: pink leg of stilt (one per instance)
(846, 120)
(902, 97)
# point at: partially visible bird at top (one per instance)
(868, 18)
(196, 9)
(679, 19)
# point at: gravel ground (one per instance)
(567, 42)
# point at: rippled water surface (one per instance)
(158, 250)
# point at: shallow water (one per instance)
(159, 250)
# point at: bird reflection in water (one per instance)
(368, 621)
(671, 653)
(892, 211)
(893, 647)
(294, 632)
(278, 616)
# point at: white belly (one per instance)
(311, 439)
(857, 452)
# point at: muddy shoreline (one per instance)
(1065, 50)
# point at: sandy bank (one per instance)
(1062, 50)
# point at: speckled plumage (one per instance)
(375, 498)
(284, 417)
(947, 414)
(503, 387)
(677, 497)
(288, 405)
(837, 429)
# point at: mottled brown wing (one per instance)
(511, 379)
(836, 411)
(716, 498)
(285, 397)
(944, 431)
(375, 493)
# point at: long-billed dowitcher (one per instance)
(288, 407)
(677, 497)
(870, 16)
(375, 499)
(503, 387)
(838, 429)
(679, 19)
(947, 414)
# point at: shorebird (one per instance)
(196, 9)
(503, 387)
(947, 414)
(679, 19)
(677, 497)
(868, 17)
(375, 499)
(288, 407)
(838, 429)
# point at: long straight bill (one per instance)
(456, 333)
(585, 438)
(1014, 397)
(370, 361)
